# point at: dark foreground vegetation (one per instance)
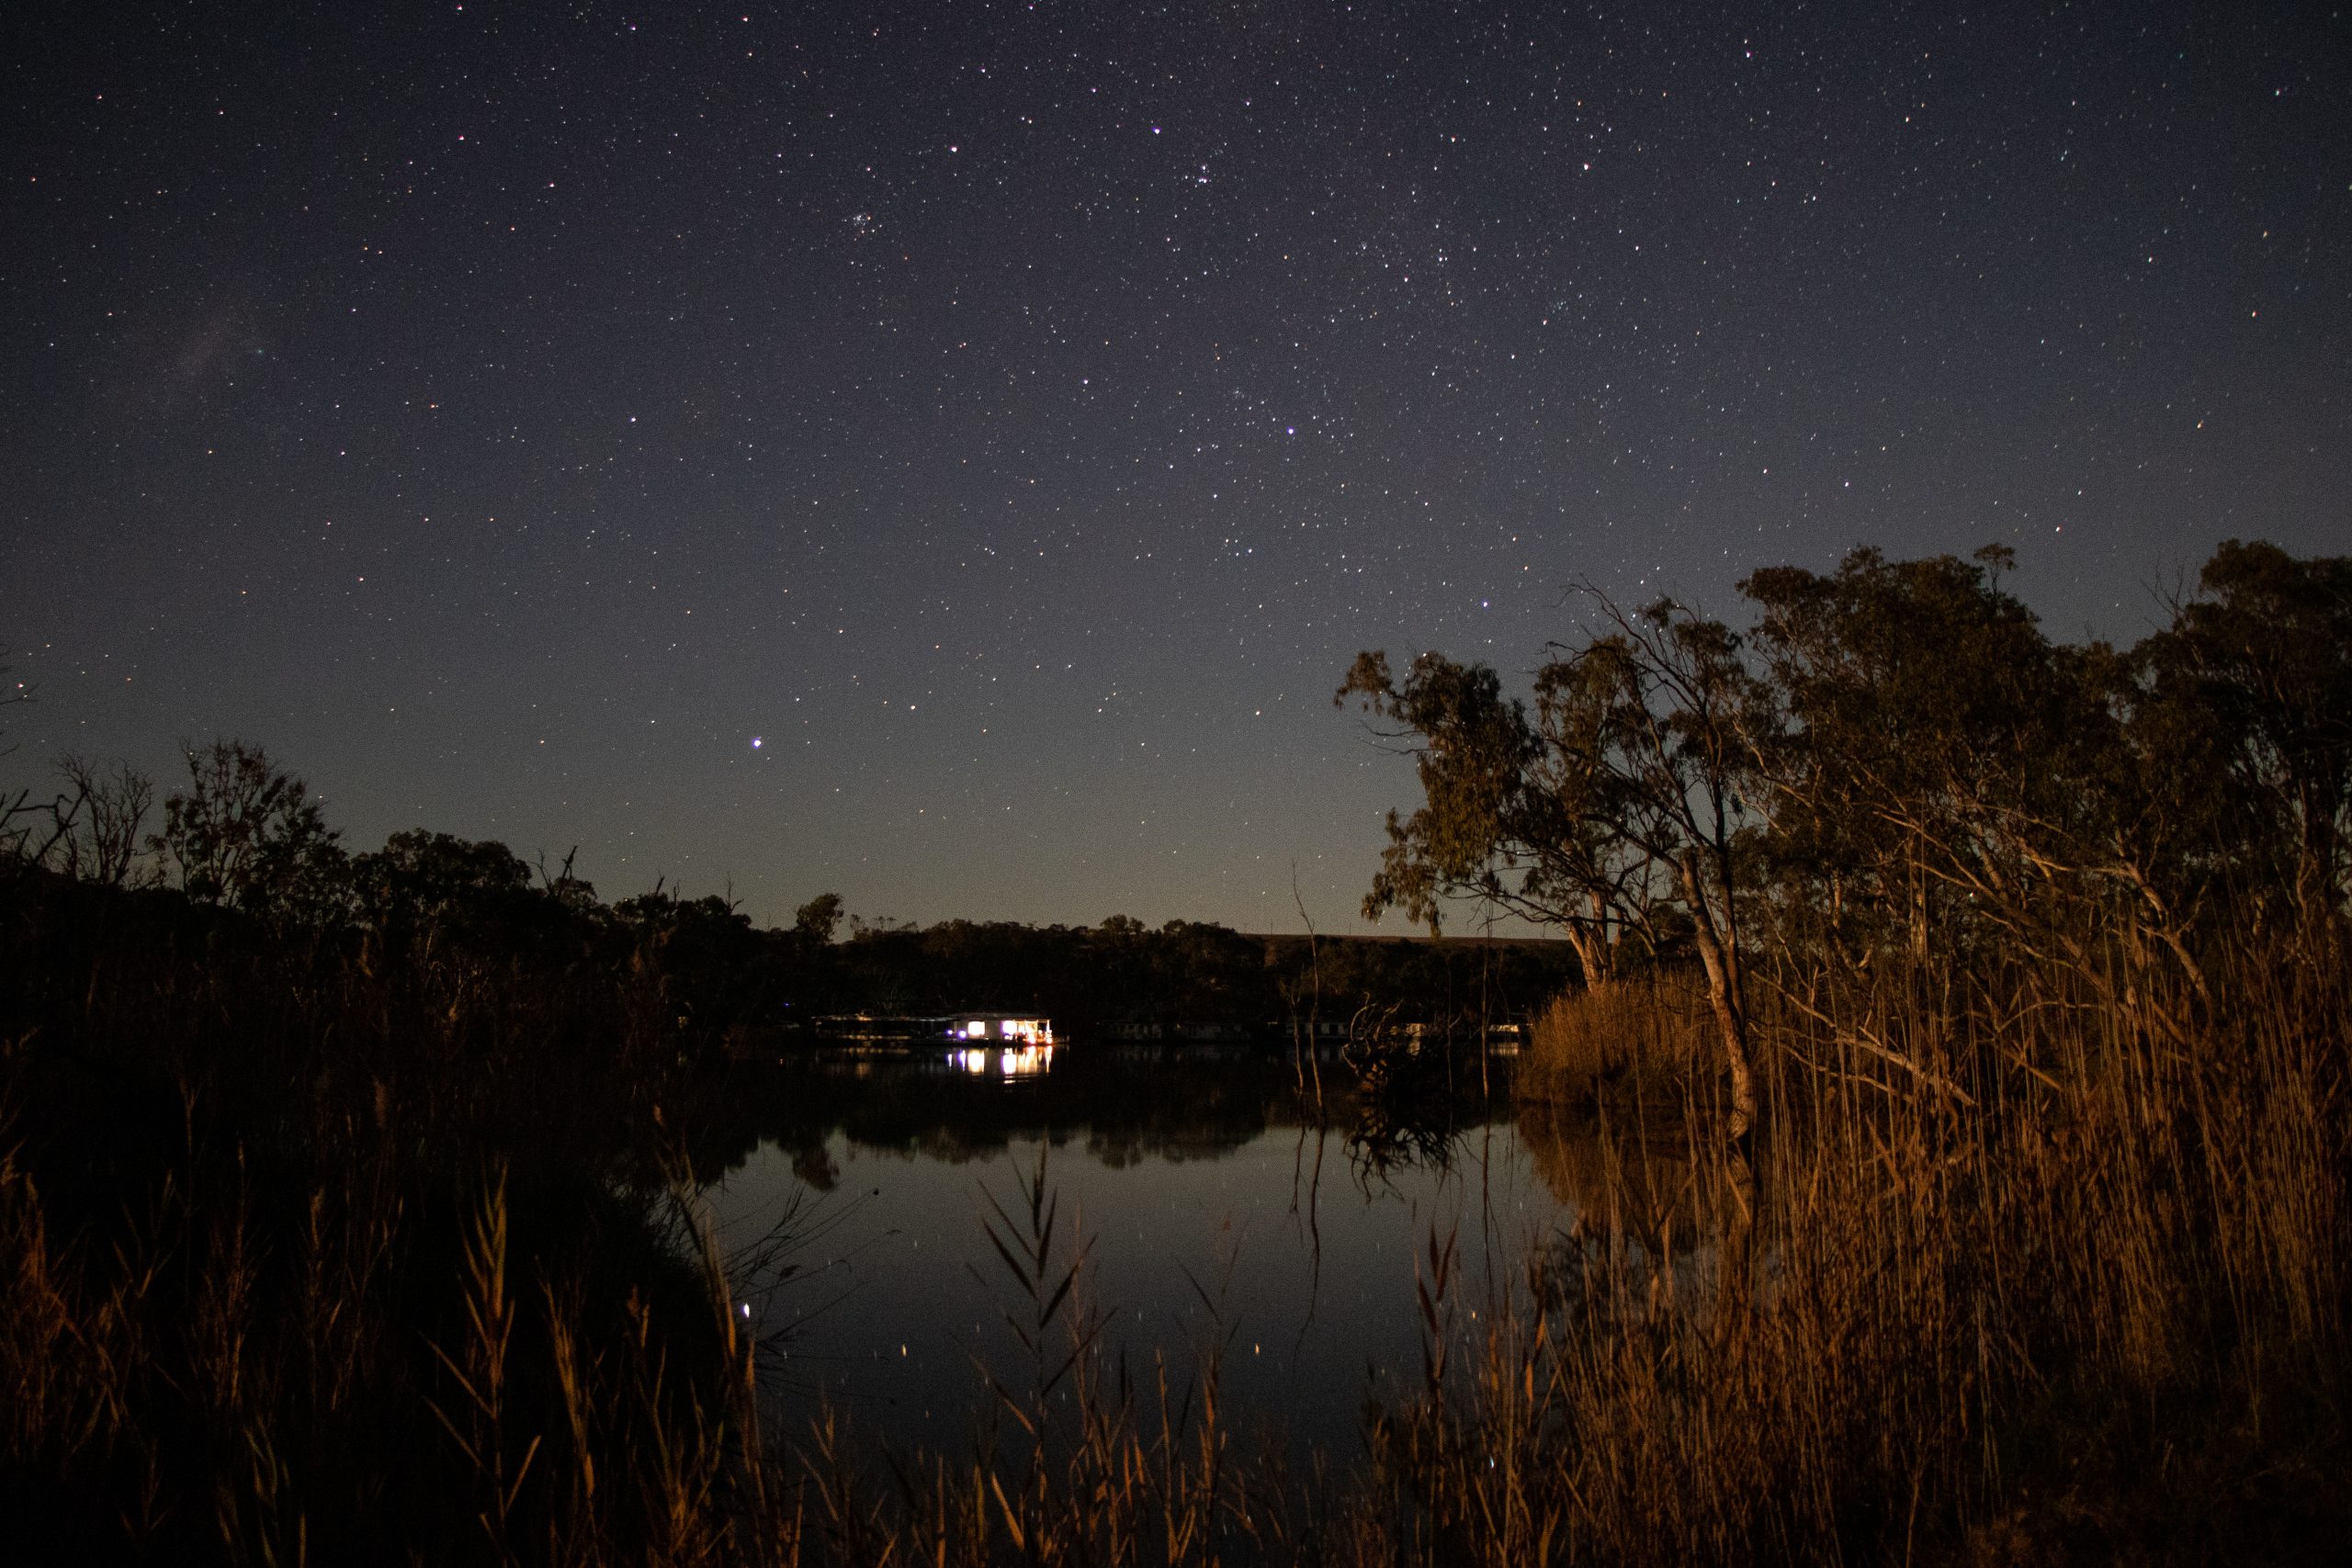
(1964, 1018)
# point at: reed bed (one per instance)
(1643, 1037)
(2057, 1286)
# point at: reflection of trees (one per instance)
(1126, 1106)
(813, 1163)
(1388, 1137)
(1119, 1147)
(1644, 1186)
(949, 1143)
(1409, 1106)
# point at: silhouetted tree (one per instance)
(707, 964)
(2246, 702)
(1895, 760)
(245, 833)
(101, 818)
(820, 918)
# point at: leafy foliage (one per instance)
(1894, 762)
(245, 833)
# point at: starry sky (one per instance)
(948, 453)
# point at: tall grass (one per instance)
(1646, 1037)
(2015, 1277)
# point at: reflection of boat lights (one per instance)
(1028, 1062)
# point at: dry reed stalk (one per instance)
(853, 1519)
(479, 1370)
(768, 1530)
(577, 1525)
(1646, 1034)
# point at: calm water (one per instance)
(1190, 1175)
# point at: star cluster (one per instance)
(948, 452)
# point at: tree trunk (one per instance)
(1593, 956)
(1718, 950)
(1604, 945)
(1732, 1023)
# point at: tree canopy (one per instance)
(1890, 761)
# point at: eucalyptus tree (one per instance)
(1933, 755)
(1895, 763)
(2243, 707)
(1623, 803)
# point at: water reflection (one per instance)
(1388, 1137)
(1007, 1063)
(1644, 1184)
(1180, 1167)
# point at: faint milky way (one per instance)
(516, 416)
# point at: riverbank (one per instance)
(325, 1248)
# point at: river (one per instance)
(1220, 1200)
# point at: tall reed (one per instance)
(1644, 1035)
(2014, 1275)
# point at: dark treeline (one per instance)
(294, 1151)
(239, 842)
(1122, 974)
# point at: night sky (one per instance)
(948, 454)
